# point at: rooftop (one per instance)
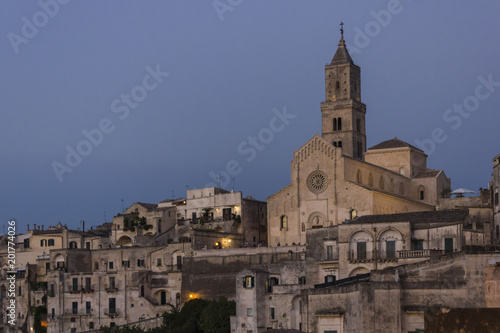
(394, 143)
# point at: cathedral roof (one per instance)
(394, 143)
(342, 55)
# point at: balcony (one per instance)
(112, 312)
(174, 268)
(330, 259)
(365, 257)
(71, 313)
(111, 289)
(415, 254)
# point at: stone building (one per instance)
(494, 187)
(34, 265)
(335, 178)
(401, 298)
(206, 217)
(112, 287)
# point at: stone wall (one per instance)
(211, 274)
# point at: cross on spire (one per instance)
(342, 29)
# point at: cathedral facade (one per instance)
(335, 178)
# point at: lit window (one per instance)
(284, 222)
(248, 282)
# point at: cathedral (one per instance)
(335, 178)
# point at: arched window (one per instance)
(358, 125)
(354, 213)
(43, 242)
(359, 179)
(421, 192)
(381, 184)
(72, 245)
(304, 227)
(284, 222)
(337, 85)
(334, 124)
(370, 179)
(339, 125)
(142, 291)
(51, 242)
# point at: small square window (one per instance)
(249, 312)
(110, 265)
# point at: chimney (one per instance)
(28, 228)
(34, 226)
(43, 226)
(83, 225)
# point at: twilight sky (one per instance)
(135, 100)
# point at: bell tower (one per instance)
(343, 114)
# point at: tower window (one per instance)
(358, 125)
(337, 124)
(360, 149)
(337, 85)
(421, 194)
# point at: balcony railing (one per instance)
(174, 268)
(111, 312)
(80, 312)
(334, 257)
(111, 289)
(411, 254)
(360, 257)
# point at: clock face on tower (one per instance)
(317, 181)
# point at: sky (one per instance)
(107, 103)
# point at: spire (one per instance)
(342, 55)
